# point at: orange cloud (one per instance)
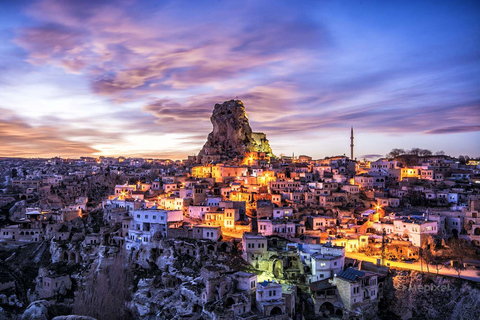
(19, 139)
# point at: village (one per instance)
(236, 233)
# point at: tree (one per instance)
(440, 153)
(426, 252)
(104, 294)
(460, 252)
(415, 151)
(425, 152)
(438, 263)
(395, 153)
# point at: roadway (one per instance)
(467, 274)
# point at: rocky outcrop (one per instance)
(232, 136)
(37, 310)
(413, 295)
(18, 210)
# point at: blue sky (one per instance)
(140, 78)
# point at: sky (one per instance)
(141, 78)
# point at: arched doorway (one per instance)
(455, 233)
(277, 268)
(224, 247)
(327, 307)
(276, 311)
(211, 249)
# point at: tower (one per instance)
(351, 144)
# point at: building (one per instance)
(252, 246)
(148, 222)
(357, 288)
(207, 232)
(269, 299)
(416, 230)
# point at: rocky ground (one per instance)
(413, 295)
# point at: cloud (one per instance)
(372, 156)
(17, 138)
(453, 129)
(122, 52)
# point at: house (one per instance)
(353, 189)
(252, 246)
(269, 227)
(269, 299)
(323, 260)
(231, 215)
(207, 232)
(321, 222)
(49, 286)
(147, 222)
(282, 212)
(364, 181)
(415, 229)
(246, 281)
(199, 211)
(357, 288)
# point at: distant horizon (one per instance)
(372, 156)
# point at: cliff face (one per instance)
(232, 135)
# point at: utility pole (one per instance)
(383, 246)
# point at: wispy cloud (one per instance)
(17, 138)
(454, 129)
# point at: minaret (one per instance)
(351, 145)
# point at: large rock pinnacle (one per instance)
(232, 136)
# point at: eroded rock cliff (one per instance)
(232, 136)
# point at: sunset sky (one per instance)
(140, 78)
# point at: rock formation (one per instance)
(232, 136)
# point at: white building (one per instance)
(324, 260)
(252, 246)
(283, 212)
(415, 229)
(270, 227)
(148, 222)
(321, 222)
(207, 232)
(269, 299)
(198, 212)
